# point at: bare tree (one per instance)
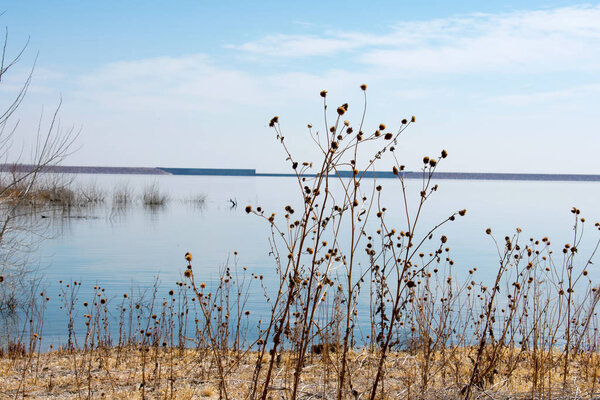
(19, 231)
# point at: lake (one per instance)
(126, 249)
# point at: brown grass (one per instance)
(58, 374)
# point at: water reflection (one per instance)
(154, 211)
(124, 245)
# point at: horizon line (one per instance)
(250, 172)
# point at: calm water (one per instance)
(121, 249)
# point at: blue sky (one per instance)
(503, 86)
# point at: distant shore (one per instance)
(23, 168)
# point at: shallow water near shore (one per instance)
(124, 249)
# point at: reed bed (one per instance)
(59, 190)
(62, 190)
(357, 307)
(152, 196)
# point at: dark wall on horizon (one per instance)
(22, 168)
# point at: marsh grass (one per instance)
(49, 189)
(152, 196)
(64, 191)
(356, 308)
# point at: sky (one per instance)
(508, 86)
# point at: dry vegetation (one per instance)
(355, 308)
(62, 190)
(190, 374)
(58, 190)
(152, 196)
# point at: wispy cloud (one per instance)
(520, 41)
(296, 46)
(200, 82)
(191, 82)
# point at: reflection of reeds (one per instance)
(152, 195)
(122, 194)
(199, 199)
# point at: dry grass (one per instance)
(50, 189)
(117, 374)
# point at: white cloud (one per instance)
(523, 41)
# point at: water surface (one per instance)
(126, 249)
